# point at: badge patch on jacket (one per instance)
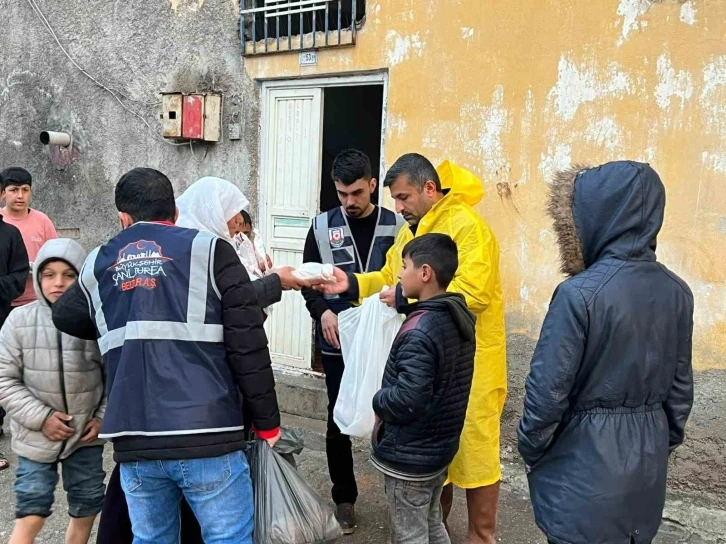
(139, 264)
(336, 237)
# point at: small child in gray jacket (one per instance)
(52, 387)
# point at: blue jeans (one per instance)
(414, 510)
(82, 479)
(218, 489)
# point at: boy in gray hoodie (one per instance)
(52, 387)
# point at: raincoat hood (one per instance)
(208, 204)
(64, 249)
(460, 183)
(612, 211)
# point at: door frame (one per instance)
(334, 80)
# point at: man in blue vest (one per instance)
(180, 329)
(354, 237)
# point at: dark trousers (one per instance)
(338, 446)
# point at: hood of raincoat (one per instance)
(63, 249)
(612, 211)
(208, 204)
(460, 183)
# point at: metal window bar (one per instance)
(353, 17)
(276, 9)
(254, 28)
(264, 23)
(327, 22)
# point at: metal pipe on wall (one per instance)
(48, 137)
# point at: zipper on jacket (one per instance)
(62, 386)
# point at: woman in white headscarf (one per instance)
(213, 205)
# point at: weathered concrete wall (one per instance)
(140, 47)
(515, 90)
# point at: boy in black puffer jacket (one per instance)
(422, 404)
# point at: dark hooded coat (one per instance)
(611, 385)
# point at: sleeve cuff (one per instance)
(266, 435)
(353, 288)
(401, 301)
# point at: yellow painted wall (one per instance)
(514, 90)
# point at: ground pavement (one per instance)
(516, 524)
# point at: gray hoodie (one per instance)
(43, 370)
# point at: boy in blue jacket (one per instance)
(422, 404)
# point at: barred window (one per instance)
(271, 26)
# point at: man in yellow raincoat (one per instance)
(440, 200)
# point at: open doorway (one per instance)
(305, 124)
(352, 118)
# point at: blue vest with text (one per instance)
(337, 247)
(159, 317)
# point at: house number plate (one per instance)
(308, 58)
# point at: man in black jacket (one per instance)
(175, 338)
(611, 385)
(354, 237)
(14, 270)
(14, 267)
(426, 385)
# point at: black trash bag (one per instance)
(287, 509)
(289, 445)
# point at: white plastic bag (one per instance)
(259, 246)
(248, 255)
(366, 336)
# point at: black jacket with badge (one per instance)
(611, 385)
(426, 384)
(14, 267)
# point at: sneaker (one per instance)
(345, 513)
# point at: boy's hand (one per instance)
(57, 427)
(90, 432)
(329, 324)
(388, 297)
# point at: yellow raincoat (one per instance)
(477, 462)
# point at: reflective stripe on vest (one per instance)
(194, 329)
(322, 237)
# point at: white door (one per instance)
(289, 192)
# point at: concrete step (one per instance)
(302, 396)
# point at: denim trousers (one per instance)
(218, 490)
(82, 480)
(414, 510)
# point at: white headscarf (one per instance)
(208, 204)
